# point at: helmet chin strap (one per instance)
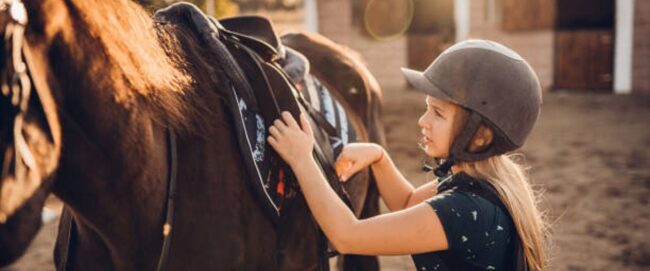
(444, 169)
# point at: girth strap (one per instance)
(167, 229)
(67, 231)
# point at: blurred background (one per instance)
(589, 154)
(590, 45)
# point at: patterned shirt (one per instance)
(478, 231)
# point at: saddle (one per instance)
(251, 55)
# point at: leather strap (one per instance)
(167, 229)
(67, 231)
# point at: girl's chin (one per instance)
(429, 151)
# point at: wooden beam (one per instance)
(624, 29)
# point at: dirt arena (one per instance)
(589, 153)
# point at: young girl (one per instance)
(482, 100)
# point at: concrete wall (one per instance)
(641, 48)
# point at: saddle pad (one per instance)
(322, 100)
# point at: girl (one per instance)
(482, 100)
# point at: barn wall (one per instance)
(384, 58)
(533, 39)
(535, 45)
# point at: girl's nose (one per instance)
(422, 122)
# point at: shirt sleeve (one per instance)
(471, 223)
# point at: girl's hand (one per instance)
(293, 143)
(357, 156)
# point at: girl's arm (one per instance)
(413, 230)
(395, 190)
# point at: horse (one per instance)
(109, 86)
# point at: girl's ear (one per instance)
(482, 139)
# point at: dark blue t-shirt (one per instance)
(478, 230)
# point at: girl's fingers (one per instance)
(353, 169)
(289, 120)
(342, 159)
(344, 177)
(279, 124)
(341, 166)
(272, 141)
(346, 171)
(274, 131)
(306, 127)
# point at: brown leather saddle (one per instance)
(252, 41)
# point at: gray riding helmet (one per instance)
(494, 83)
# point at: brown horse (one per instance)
(109, 83)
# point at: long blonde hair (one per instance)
(509, 178)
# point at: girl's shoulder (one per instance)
(465, 190)
(469, 207)
(472, 217)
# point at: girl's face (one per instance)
(438, 126)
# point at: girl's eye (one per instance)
(437, 113)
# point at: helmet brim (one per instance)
(422, 84)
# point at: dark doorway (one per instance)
(584, 44)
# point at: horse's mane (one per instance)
(145, 64)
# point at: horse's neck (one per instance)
(112, 175)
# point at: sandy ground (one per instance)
(590, 155)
